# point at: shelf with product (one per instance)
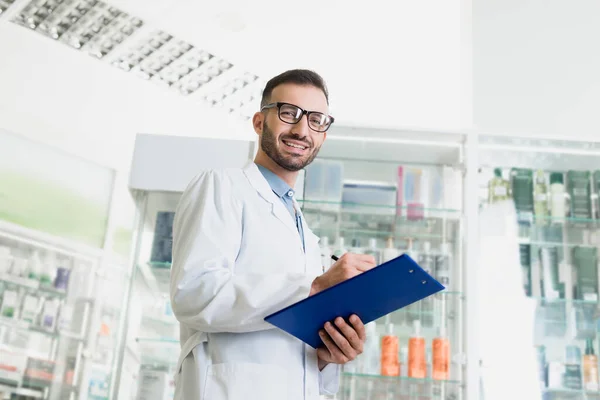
(553, 185)
(51, 306)
(350, 191)
(364, 386)
(405, 195)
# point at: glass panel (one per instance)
(554, 185)
(386, 208)
(153, 335)
(50, 311)
(356, 386)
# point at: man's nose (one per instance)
(301, 127)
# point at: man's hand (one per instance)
(348, 266)
(343, 344)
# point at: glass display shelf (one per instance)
(151, 320)
(361, 386)
(160, 341)
(29, 327)
(20, 391)
(570, 394)
(31, 285)
(401, 378)
(159, 352)
(156, 275)
(350, 207)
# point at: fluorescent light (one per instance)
(238, 95)
(99, 29)
(89, 25)
(162, 58)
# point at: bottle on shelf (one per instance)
(596, 194)
(540, 207)
(48, 270)
(417, 363)
(443, 265)
(10, 304)
(371, 355)
(426, 260)
(590, 367)
(5, 260)
(412, 311)
(325, 253)
(441, 355)
(390, 365)
(374, 251)
(19, 267)
(522, 189)
(63, 273)
(30, 308)
(34, 266)
(557, 197)
(498, 187)
(389, 252)
(572, 375)
(355, 248)
(580, 194)
(340, 248)
(49, 315)
(404, 362)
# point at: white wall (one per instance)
(536, 67)
(60, 96)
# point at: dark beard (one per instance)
(268, 144)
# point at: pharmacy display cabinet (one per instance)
(59, 316)
(554, 186)
(373, 191)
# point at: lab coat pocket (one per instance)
(245, 381)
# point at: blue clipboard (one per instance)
(370, 295)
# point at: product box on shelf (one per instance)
(12, 367)
(369, 197)
(522, 191)
(162, 244)
(323, 185)
(39, 373)
(155, 384)
(579, 188)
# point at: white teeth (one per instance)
(295, 145)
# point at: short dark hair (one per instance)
(298, 77)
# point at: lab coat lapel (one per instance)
(258, 181)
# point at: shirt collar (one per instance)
(277, 184)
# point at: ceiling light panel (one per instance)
(240, 95)
(4, 4)
(171, 62)
(89, 25)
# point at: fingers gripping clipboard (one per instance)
(370, 295)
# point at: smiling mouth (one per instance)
(294, 145)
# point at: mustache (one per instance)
(297, 138)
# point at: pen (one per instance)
(334, 258)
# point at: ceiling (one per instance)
(387, 63)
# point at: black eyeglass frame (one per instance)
(308, 113)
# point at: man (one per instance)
(242, 250)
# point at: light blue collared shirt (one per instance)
(285, 194)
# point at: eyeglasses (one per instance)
(291, 114)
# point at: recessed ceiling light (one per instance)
(163, 58)
(88, 25)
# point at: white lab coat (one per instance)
(238, 257)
